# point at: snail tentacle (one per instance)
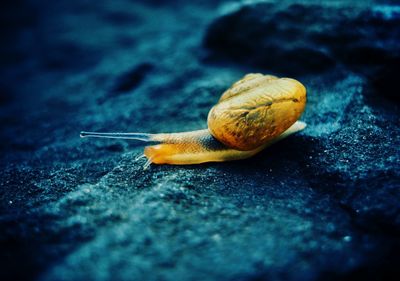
(125, 136)
(147, 164)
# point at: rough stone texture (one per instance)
(296, 39)
(320, 205)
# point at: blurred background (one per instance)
(320, 205)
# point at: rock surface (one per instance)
(320, 205)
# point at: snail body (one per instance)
(253, 113)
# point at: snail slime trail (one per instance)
(253, 113)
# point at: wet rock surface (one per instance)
(320, 205)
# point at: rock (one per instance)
(298, 39)
(383, 81)
(319, 205)
(132, 78)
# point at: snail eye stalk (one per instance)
(125, 136)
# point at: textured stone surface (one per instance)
(320, 205)
(310, 37)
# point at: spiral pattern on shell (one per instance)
(256, 109)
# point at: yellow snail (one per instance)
(253, 113)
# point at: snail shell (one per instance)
(256, 109)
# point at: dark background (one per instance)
(320, 205)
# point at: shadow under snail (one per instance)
(252, 114)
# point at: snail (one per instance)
(253, 113)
